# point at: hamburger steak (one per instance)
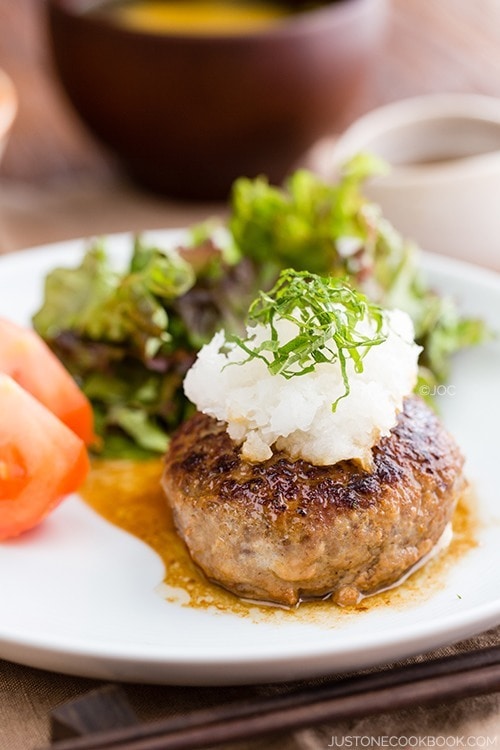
(282, 530)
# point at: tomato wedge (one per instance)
(29, 361)
(41, 460)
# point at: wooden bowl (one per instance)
(187, 114)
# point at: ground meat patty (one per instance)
(282, 530)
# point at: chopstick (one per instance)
(463, 675)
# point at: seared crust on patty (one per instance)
(283, 530)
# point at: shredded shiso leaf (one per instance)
(129, 337)
(326, 313)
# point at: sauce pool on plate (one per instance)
(143, 512)
(194, 16)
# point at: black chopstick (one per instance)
(462, 675)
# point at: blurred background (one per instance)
(57, 182)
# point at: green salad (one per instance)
(129, 336)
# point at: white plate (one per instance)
(77, 594)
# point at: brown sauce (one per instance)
(128, 495)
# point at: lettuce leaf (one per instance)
(129, 336)
(334, 230)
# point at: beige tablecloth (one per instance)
(30, 216)
(28, 695)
